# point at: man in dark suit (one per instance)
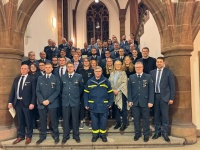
(141, 98)
(95, 57)
(64, 44)
(78, 51)
(63, 54)
(41, 71)
(86, 51)
(31, 60)
(115, 53)
(77, 64)
(48, 89)
(53, 51)
(121, 55)
(22, 98)
(100, 51)
(92, 44)
(48, 46)
(148, 62)
(72, 88)
(69, 48)
(124, 42)
(164, 96)
(107, 55)
(43, 58)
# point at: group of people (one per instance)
(67, 81)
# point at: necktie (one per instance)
(20, 86)
(61, 72)
(139, 76)
(157, 82)
(70, 76)
(47, 76)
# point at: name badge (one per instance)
(52, 84)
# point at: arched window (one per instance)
(97, 21)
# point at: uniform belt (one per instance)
(157, 93)
(19, 99)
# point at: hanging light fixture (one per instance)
(96, 1)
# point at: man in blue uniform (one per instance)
(71, 88)
(164, 96)
(141, 98)
(98, 98)
(47, 91)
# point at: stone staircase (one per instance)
(116, 140)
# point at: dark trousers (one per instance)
(137, 112)
(82, 109)
(43, 120)
(74, 112)
(60, 108)
(123, 112)
(24, 116)
(161, 115)
(35, 116)
(99, 123)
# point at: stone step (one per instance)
(110, 128)
(114, 142)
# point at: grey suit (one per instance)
(72, 89)
(141, 92)
(48, 89)
(166, 93)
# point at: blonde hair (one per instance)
(131, 65)
(107, 69)
(122, 69)
(91, 61)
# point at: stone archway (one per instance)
(13, 23)
(178, 25)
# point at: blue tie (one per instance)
(157, 82)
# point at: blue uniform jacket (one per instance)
(48, 89)
(98, 95)
(141, 91)
(72, 89)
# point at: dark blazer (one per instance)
(102, 53)
(48, 89)
(68, 51)
(86, 52)
(123, 45)
(46, 61)
(56, 71)
(28, 62)
(72, 89)
(167, 84)
(37, 74)
(97, 58)
(62, 46)
(28, 94)
(46, 48)
(149, 64)
(140, 91)
(51, 53)
(114, 55)
(118, 58)
(134, 60)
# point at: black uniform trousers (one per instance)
(24, 116)
(138, 113)
(123, 112)
(161, 115)
(82, 109)
(69, 111)
(54, 122)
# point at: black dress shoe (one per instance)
(94, 138)
(117, 126)
(146, 138)
(64, 140)
(56, 140)
(78, 140)
(104, 138)
(156, 136)
(123, 127)
(40, 141)
(136, 137)
(166, 138)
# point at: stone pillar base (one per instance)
(188, 132)
(8, 133)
